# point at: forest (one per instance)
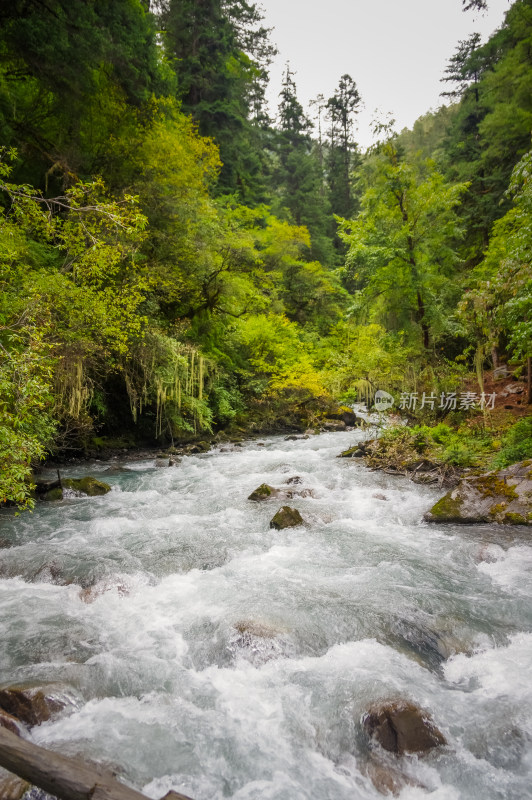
(176, 260)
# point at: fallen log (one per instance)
(65, 777)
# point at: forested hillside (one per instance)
(174, 261)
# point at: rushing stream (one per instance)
(224, 659)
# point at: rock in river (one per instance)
(36, 703)
(87, 485)
(504, 496)
(401, 727)
(286, 517)
(263, 492)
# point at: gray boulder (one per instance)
(503, 496)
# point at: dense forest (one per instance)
(174, 262)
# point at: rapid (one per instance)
(205, 652)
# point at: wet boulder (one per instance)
(33, 704)
(401, 727)
(503, 496)
(286, 517)
(10, 723)
(91, 593)
(89, 486)
(257, 641)
(263, 492)
(352, 452)
(334, 426)
(249, 627)
(343, 414)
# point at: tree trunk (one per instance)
(422, 321)
(66, 778)
(529, 380)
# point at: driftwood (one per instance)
(66, 778)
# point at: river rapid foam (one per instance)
(216, 656)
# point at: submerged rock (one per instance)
(91, 593)
(257, 641)
(33, 704)
(379, 496)
(504, 496)
(254, 628)
(263, 492)
(401, 727)
(286, 517)
(387, 778)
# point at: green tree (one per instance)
(401, 252)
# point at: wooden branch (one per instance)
(66, 778)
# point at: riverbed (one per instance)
(208, 653)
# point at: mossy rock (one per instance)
(52, 495)
(504, 496)
(343, 414)
(88, 485)
(286, 517)
(263, 492)
(352, 452)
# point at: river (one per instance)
(225, 659)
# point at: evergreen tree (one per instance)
(491, 129)
(342, 149)
(221, 57)
(298, 176)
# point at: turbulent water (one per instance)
(224, 659)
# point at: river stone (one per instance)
(33, 704)
(263, 492)
(254, 628)
(11, 786)
(286, 517)
(10, 723)
(343, 414)
(91, 593)
(401, 727)
(336, 425)
(503, 496)
(52, 496)
(88, 485)
(352, 452)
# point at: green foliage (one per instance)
(516, 444)
(26, 420)
(401, 252)
(500, 304)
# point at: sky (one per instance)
(395, 50)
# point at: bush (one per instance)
(516, 444)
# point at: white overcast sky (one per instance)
(395, 50)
